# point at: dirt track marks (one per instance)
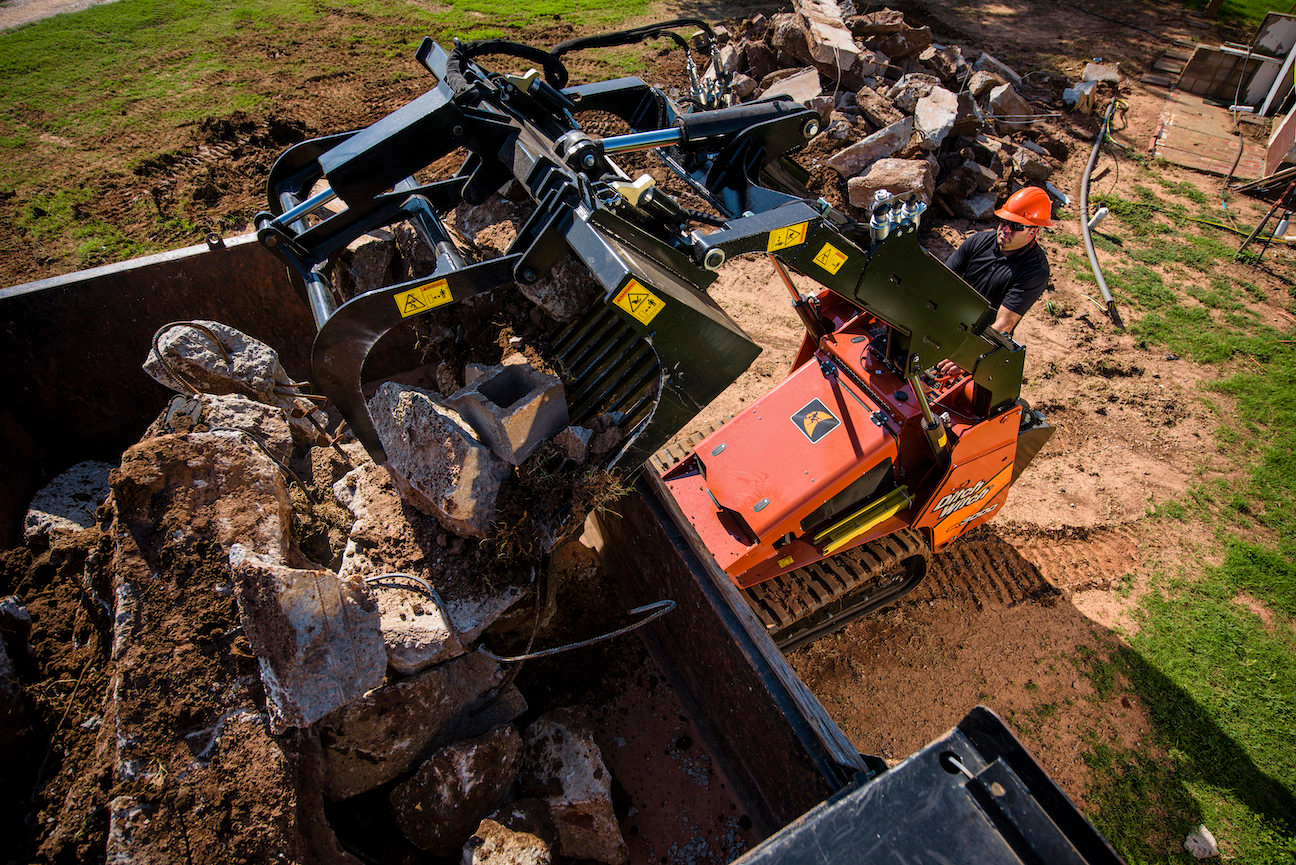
(985, 571)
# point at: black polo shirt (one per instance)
(1014, 281)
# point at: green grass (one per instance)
(1247, 14)
(1216, 679)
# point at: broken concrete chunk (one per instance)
(366, 263)
(514, 408)
(761, 60)
(316, 635)
(1008, 109)
(565, 292)
(981, 82)
(990, 63)
(385, 538)
(801, 86)
(268, 425)
(1083, 97)
(946, 61)
(440, 806)
(415, 625)
(911, 87)
(575, 442)
(830, 41)
(521, 833)
(906, 43)
(852, 160)
(977, 207)
(210, 357)
(1032, 166)
(385, 733)
(198, 356)
(742, 85)
(968, 119)
(881, 23)
(934, 117)
(66, 504)
(982, 176)
(563, 764)
(876, 108)
(203, 488)
(789, 40)
(1109, 72)
(897, 176)
(435, 459)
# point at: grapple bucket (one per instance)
(647, 353)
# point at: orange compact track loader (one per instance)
(824, 498)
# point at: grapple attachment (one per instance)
(653, 349)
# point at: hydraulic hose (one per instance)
(464, 52)
(1084, 220)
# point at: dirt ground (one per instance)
(1007, 614)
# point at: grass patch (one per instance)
(1218, 688)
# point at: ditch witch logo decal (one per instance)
(960, 499)
(815, 420)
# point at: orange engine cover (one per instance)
(752, 482)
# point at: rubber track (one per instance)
(784, 601)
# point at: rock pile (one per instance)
(236, 662)
(900, 111)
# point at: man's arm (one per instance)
(1006, 320)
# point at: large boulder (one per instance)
(316, 634)
(67, 504)
(564, 766)
(386, 733)
(1009, 110)
(520, 833)
(439, 807)
(435, 459)
(897, 176)
(934, 117)
(853, 160)
(190, 751)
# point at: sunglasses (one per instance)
(1011, 226)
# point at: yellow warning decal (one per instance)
(639, 301)
(830, 258)
(782, 238)
(783, 563)
(422, 299)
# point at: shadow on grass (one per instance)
(1150, 802)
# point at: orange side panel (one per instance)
(976, 484)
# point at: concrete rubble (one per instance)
(889, 93)
(239, 663)
(436, 459)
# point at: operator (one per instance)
(1006, 265)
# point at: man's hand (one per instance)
(949, 369)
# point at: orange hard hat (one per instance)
(1029, 205)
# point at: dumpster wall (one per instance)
(71, 348)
